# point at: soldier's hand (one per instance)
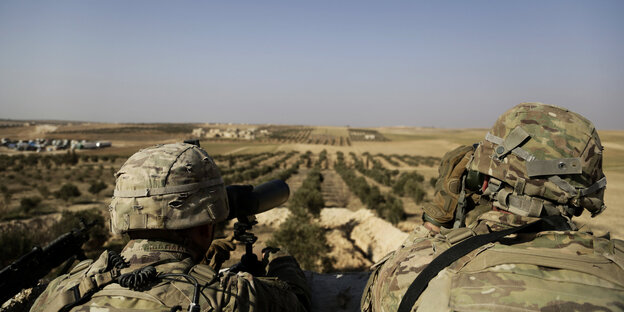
(219, 252)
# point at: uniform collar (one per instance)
(498, 221)
(501, 220)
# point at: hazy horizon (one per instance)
(48, 121)
(454, 64)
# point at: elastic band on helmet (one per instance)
(167, 189)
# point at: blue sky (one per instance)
(361, 63)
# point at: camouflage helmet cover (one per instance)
(172, 186)
(548, 152)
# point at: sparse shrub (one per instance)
(46, 161)
(304, 240)
(309, 195)
(322, 160)
(312, 200)
(306, 158)
(7, 194)
(433, 181)
(44, 191)
(23, 181)
(415, 190)
(27, 204)
(31, 160)
(410, 184)
(67, 191)
(392, 209)
(5, 162)
(71, 158)
(97, 187)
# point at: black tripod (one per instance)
(249, 261)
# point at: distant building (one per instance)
(198, 132)
(230, 133)
(213, 133)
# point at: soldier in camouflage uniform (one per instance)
(538, 163)
(167, 199)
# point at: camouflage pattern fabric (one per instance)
(555, 133)
(284, 290)
(546, 271)
(441, 210)
(172, 186)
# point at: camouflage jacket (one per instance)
(286, 290)
(545, 271)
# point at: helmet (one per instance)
(172, 187)
(541, 160)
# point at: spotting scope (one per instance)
(247, 200)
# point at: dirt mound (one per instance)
(371, 236)
(357, 238)
(273, 218)
(346, 256)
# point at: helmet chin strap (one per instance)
(460, 213)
